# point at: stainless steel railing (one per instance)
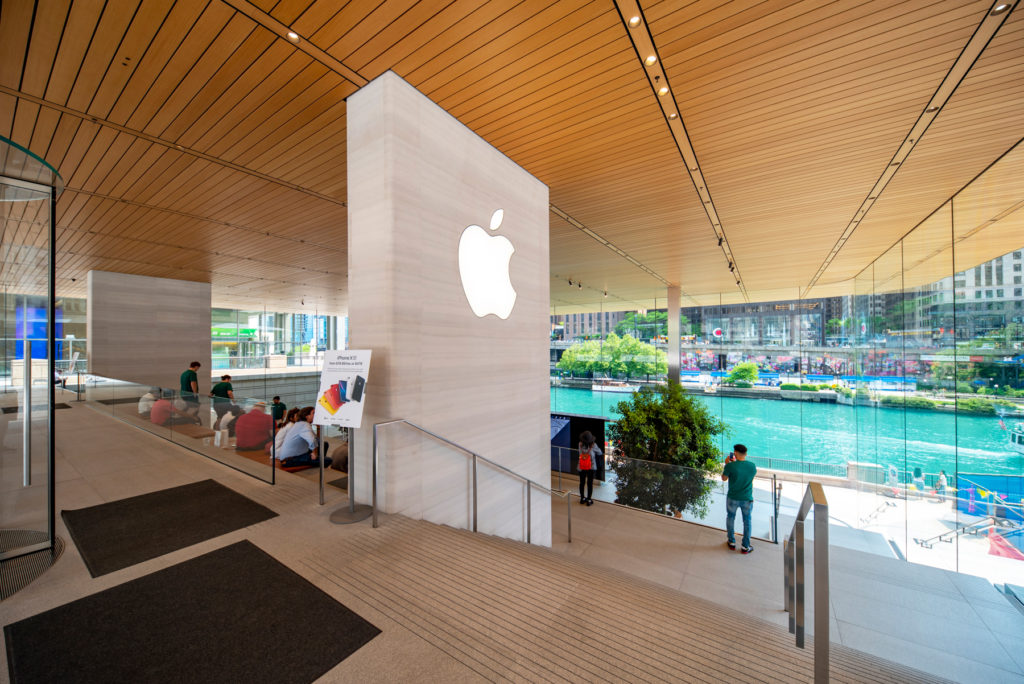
(530, 484)
(793, 563)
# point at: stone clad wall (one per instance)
(416, 179)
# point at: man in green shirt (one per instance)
(223, 397)
(739, 473)
(190, 389)
(278, 410)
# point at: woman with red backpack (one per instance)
(589, 452)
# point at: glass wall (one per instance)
(902, 390)
(28, 188)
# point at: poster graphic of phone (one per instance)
(342, 388)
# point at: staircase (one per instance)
(510, 611)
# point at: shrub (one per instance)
(808, 388)
(742, 384)
(919, 403)
(664, 425)
(890, 401)
(845, 391)
(789, 386)
(978, 406)
(964, 388)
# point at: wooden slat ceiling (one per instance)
(197, 142)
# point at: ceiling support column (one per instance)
(673, 333)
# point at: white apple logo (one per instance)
(483, 266)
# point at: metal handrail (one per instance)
(530, 484)
(793, 564)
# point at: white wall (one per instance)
(416, 179)
(147, 330)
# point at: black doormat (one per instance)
(340, 483)
(119, 534)
(231, 615)
(37, 407)
(119, 400)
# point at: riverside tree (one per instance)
(743, 372)
(615, 356)
(665, 451)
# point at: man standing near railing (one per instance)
(739, 473)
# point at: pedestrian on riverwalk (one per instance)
(739, 473)
(589, 452)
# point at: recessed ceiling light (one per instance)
(932, 109)
(999, 9)
(634, 22)
(663, 91)
(651, 59)
(293, 36)
(672, 115)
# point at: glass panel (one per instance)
(685, 493)
(18, 163)
(25, 476)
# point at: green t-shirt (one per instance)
(741, 480)
(220, 391)
(278, 410)
(187, 378)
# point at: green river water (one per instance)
(836, 433)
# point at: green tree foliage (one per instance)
(649, 325)
(743, 372)
(665, 449)
(615, 356)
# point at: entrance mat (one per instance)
(231, 615)
(37, 407)
(120, 534)
(340, 483)
(119, 400)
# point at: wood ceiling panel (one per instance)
(398, 16)
(42, 48)
(190, 49)
(793, 107)
(100, 57)
(285, 11)
(15, 24)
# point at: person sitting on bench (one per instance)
(300, 444)
(254, 430)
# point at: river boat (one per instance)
(1016, 434)
(605, 385)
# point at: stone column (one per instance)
(433, 213)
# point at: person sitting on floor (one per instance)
(282, 432)
(147, 400)
(300, 446)
(254, 430)
(165, 413)
(229, 419)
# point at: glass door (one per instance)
(27, 371)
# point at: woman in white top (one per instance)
(282, 431)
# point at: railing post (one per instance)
(474, 493)
(775, 509)
(787, 589)
(799, 608)
(568, 508)
(821, 594)
(374, 475)
(529, 510)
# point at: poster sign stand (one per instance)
(340, 403)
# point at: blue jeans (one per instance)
(730, 519)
